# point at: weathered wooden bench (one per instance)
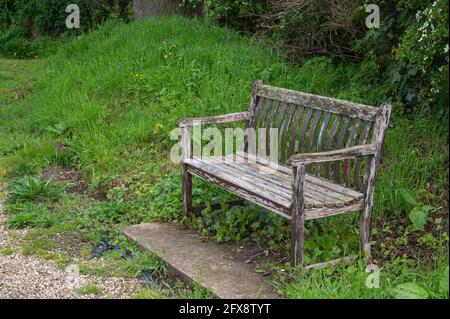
(324, 144)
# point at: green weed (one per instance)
(88, 289)
(32, 189)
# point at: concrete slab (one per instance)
(210, 264)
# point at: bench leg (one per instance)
(187, 191)
(298, 218)
(365, 231)
(297, 238)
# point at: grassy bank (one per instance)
(97, 114)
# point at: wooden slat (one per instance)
(226, 118)
(281, 115)
(257, 111)
(323, 103)
(317, 213)
(244, 182)
(330, 140)
(246, 176)
(284, 135)
(322, 131)
(331, 196)
(331, 156)
(334, 262)
(339, 145)
(312, 131)
(271, 119)
(350, 142)
(284, 170)
(262, 120)
(362, 141)
(310, 193)
(243, 193)
(334, 187)
(275, 186)
(251, 111)
(316, 193)
(295, 130)
(269, 126)
(265, 110)
(305, 125)
(281, 181)
(281, 169)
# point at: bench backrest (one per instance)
(310, 123)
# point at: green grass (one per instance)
(88, 289)
(7, 250)
(106, 102)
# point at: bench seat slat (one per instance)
(273, 186)
(317, 195)
(282, 170)
(283, 184)
(240, 182)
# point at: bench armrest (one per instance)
(227, 118)
(336, 155)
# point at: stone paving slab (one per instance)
(209, 263)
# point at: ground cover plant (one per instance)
(84, 144)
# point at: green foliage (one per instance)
(410, 290)
(28, 26)
(412, 46)
(425, 46)
(410, 49)
(241, 15)
(419, 214)
(32, 189)
(419, 218)
(237, 223)
(22, 168)
(29, 215)
(88, 289)
(7, 251)
(14, 44)
(443, 282)
(397, 280)
(49, 16)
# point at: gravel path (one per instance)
(32, 277)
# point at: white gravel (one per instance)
(28, 277)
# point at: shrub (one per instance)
(240, 15)
(410, 49)
(27, 26)
(424, 46)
